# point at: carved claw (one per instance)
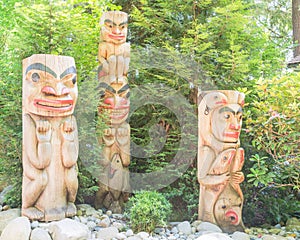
(43, 130)
(33, 213)
(71, 210)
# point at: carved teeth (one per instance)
(55, 105)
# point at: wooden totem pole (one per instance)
(220, 159)
(113, 56)
(50, 139)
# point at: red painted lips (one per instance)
(232, 134)
(54, 105)
(116, 37)
(232, 215)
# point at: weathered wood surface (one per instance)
(114, 57)
(220, 159)
(50, 138)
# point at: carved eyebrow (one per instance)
(113, 23)
(106, 87)
(109, 21)
(41, 67)
(123, 23)
(227, 109)
(123, 89)
(68, 71)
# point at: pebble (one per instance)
(100, 226)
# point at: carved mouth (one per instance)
(223, 101)
(232, 134)
(116, 37)
(118, 113)
(232, 216)
(54, 105)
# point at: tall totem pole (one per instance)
(114, 57)
(220, 159)
(50, 139)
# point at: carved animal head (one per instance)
(114, 27)
(49, 85)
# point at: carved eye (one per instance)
(74, 80)
(35, 77)
(224, 206)
(110, 26)
(123, 27)
(240, 118)
(224, 158)
(226, 116)
(240, 205)
(118, 161)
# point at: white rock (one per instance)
(108, 233)
(273, 237)
(121, 236)
(240, 236)
(196, 223)
(83, 220)
(214, 236)
(207, 226)
(39, 234)
(105, 221)
(7, 216)
(174, 230)
(184, 227)
(34, 224)
(109, 213)
(68, 229)
(143, 235)
(129, 233)
(17, 229)
(91, 225)
(118, 225)
(133, 238)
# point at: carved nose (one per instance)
(48, 90)
(116, 31)
(58, 91)
(235, 126)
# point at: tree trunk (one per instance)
(296, 26)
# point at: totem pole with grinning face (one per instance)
(114, 56)
(50, 138)
(220, 159)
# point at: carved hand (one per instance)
(43, 130)
(237, 177)
(68, 129)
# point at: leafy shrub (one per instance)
(146, 210)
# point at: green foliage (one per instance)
(274, 123)
(146, 210)
(57, 27)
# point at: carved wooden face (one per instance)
(115, 101)
(49, 85)
(114, 27)
(226, 122)
(228, 209)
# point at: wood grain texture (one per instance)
(50, 138)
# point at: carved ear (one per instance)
(241, 99)
(215, 99)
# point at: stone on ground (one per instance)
(17, 229)
(7, 216)
(207, 226)
(108, 233)
(214, 236)
(184, 227)
(68, 229)
(39, 234)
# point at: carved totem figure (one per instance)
(220, 159)
(50, 138)
(113, 56)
